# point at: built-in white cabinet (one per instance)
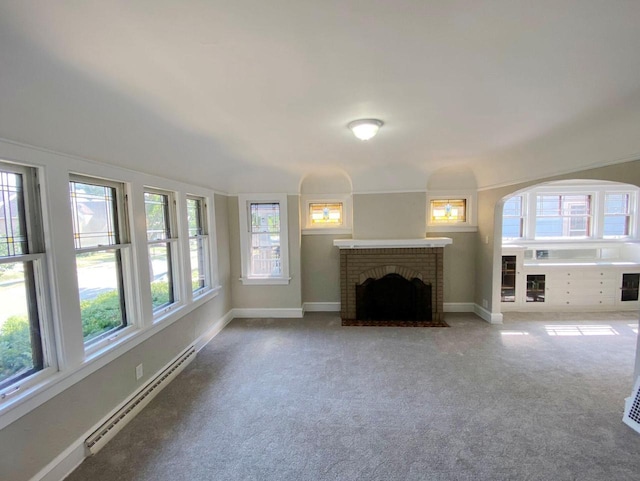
(530, 286)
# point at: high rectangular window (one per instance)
(100, 235)
(161, 246)
(559, 215)
(325, 214)
(198, 243)
(617, 215)
(21, 264)
(448, 211)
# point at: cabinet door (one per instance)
(536, 288)
(509, 274)
(630, 286)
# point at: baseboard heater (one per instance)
(115, 423)
(632, 408)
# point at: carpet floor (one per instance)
(540, 397)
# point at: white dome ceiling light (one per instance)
(365, 129)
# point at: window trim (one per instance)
(470, 224)
(244, 203)
(39, 291)
(205, 236)
(597, 191)
(126, 273)
(631, 217)
(523, 217)
(174, 251)
(590, 216)
(347, 217)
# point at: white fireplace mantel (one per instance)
(391, 243)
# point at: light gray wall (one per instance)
(459, 263)
(30, 443)
(386, 216)
(321, 268)
(260, 296)
(389, 216)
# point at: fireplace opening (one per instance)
(393, 298)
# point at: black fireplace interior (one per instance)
(393, 298)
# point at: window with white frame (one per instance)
(448, 211)
(162, 246)
(617, 214)
(451, 211)
(326, 213)
(101, 243)
(22, 308)
(563, 215)
(513, 218)
(198, 243)
(264, 238)
(574, 211)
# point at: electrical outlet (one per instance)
(486, 239)
(139, 371)
(485, 303)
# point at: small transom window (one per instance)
(448, 210)
(325, 214)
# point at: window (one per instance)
(559, 215)
(198, 243)
(448, 210)
(617, 215)
(572, 210)
(512, 218)
(451, 212)
(162, 247)
(100, 236)
(325, 214)
(21, 264)
(264, 239)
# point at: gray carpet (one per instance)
(311, 400)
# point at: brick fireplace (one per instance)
(374, 259)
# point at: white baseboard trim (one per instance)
(321, 307)
(291, 312)
(459, 307)
(213, 331)
(63, 464)
(490, 317)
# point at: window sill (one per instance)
(452, 228)
(325, 231)
(265, 281)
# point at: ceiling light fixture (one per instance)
(364, 129)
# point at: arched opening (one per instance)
(569, 246)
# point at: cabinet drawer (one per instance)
(578, 283)
(583, 300)
(583, 292)
(587, 274)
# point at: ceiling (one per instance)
(251, 96)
